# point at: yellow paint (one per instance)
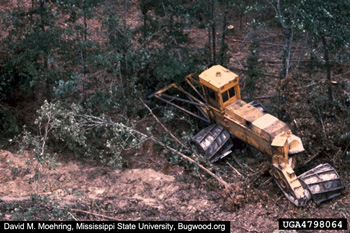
(220, 81)
(261, 130)
(218, 77)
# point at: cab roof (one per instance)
(218, 76)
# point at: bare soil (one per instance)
(96, 192)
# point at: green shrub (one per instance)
(80, 132)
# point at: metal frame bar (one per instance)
(183, 100)
(322, 182)
(188, 80)
(200, 110)
(320, 172)
(193, 100)
(188, 94)
(181, 108)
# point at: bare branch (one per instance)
(233, 168)
(101, 122)
(172, 135)
(98, 215)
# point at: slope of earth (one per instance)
(96, 192)
(131, 194)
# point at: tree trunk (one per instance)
(223, 48)
(84, 54)
(209, 33)
(45, 54)
(328, 67)
(286, 57)
(125, 84)
(286, 52)
(47, 81)
(144, 11)
(301, 53)
(213, 30)
(240, 21)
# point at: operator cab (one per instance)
(220, 86)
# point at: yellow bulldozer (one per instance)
(215, 92)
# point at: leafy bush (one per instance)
(65, 88)
(80, 132)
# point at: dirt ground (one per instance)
(149, 188)
(150, 194)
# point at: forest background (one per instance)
(74, 76)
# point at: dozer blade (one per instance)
(215, 141)
(323, 182)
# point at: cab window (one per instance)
(211, 93)
(232, 92)
(228, 94)
(224, 96)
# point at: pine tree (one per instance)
(328, 23)
(33, 42)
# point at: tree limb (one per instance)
(98, 215)
(99, 121)
(156, 118)
(233, 168)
